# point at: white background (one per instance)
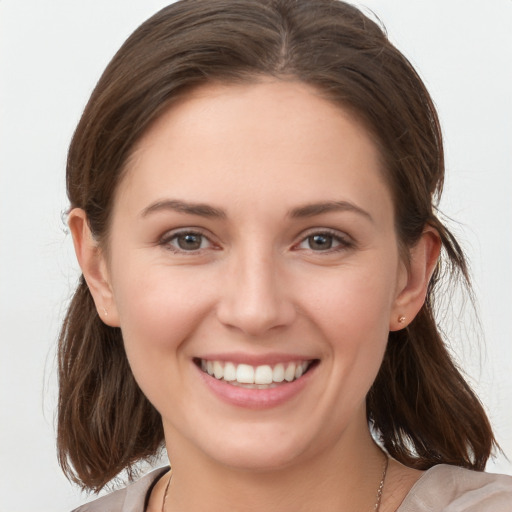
(53, 52)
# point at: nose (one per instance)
(255, 298)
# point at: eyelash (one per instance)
(168, 238)
(343, 242)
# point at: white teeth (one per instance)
(245, 374)
(289, 373)
(218, 371)
(278, 373)
(262, 376)
(229, 372)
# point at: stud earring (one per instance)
(401, 319)
(105, 311)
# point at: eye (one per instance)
(186, 241)
(324, 241)
(320, 242)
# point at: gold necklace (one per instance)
(381, 485)
(379, 490)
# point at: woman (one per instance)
(253, 189)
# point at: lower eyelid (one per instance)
(169, 237)
(342, 242)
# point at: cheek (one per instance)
(354, 302)
(353, 309)
(156, 299)
(159, 309)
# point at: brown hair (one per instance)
(420, 405)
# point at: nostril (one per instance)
(255, 317)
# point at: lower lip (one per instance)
(256, 398)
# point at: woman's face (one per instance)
(253, 238)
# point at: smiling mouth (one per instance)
(255, 377)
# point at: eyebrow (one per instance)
(313, 209)
(203, 210)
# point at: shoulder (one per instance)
(459, 489)
(129, 499)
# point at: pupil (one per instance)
(320, 242)
(189, 242)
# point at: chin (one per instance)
(257, 459)
(261, 450)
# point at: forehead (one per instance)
(283, 139)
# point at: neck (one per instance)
(345, 477)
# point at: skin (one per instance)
(258, 285)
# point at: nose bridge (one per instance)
(255, 299)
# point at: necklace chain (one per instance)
(379, 490)
(381, 485)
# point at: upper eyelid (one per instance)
(324, 231)
(345, 240)
(173, 233)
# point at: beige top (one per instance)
(441, 489)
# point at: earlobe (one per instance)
(94, 267)
(411, 295)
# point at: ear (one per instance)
(93, 263)
(414, 279)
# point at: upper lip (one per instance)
(255, 359)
